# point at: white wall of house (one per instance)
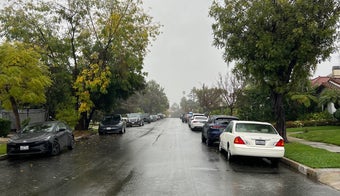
(330, 108)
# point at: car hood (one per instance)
(30, 137)
(112, 123)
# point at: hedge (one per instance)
(5, 127)
(311, 123)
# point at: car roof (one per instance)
(224, 116)
(252, 122)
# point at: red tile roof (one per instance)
(328, 82)
(319, 80)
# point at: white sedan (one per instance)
(251, 138)
(198, 122)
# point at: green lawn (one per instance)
(312, 157)
(326, 134)
(2, 149)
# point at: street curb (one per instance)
(309, 172)
(3, 157)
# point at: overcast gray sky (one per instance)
(183, 57)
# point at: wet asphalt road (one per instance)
(161, 158)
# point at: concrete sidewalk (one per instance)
(329, 176)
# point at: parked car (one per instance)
(112, 124)
(134, 119)
(153, 118)
(192, 117)
(214, 127)
(197, 122)
(146, 117)
(187, 116)
(49, 137)
(251, 138)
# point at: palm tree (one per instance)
(330, 96)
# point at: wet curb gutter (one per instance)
(329, 177)
(309, 172)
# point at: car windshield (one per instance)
(223, 120)
(111, 119)
(200, 118)
(133, 115)
(35, 128)
(255, 128)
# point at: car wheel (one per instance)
(123, 130)
(208, 142)
(203, 138)
(55, 148)
(72, 144)
(229, 156)
(220, 147)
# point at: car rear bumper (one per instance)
(243, 150)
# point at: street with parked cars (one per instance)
(161, 158)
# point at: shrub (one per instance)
(5, 127)
(318, 116)
(68, 115)
(337, 114)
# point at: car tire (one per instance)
(72, 144)
(203, 138)
(55, 150)
(208, 142)
(230, 157)
(220, 149)
(123, 130)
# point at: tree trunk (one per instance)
(280, 115)
(81, 126)
(15, 112)
(84, 121)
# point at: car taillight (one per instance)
(280, 143)
(238, 140)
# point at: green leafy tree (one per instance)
(151, 100)
(97, 46)
(209, 99)
(254, 103)
(23, 77)
(276, 43)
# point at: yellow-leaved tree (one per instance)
(23, 77)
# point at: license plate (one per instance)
(260, 142)
(24, 147)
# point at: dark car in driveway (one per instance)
(214, 127)
(49, 137)
(112, 124)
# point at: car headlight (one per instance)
(47, 138)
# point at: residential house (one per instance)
(331, 81)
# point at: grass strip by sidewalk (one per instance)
(312, 157)
(325, 134)
(2, 149)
